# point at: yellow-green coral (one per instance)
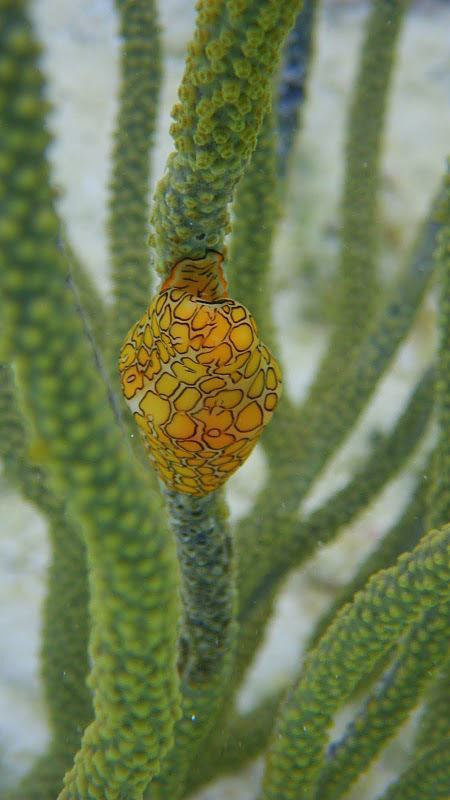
(402, 536)
(208, 635)
(358, 269)
(327, 423)
(427, 778)
(132, 570)
(244, 737)
(419, 657)
(128, 202)
(224, 94)
(360, 634)
(256, 590)
(294, 75)
(434, 723)
(440, 492)
(255, 215)
(64, 657)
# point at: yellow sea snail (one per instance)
(200, 384)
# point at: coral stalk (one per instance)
(140, 68)
(208, 635)
(300, 538)
(294, 74)
(357, 270)
(255, 215)
(360, 634)
(388, 705)
(132, 567)
(207, 586)
(439, 501)
(64, 659)
(403, 536)
(428, 777)
(225, 91)
(434, 724)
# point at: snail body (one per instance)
(200, 384)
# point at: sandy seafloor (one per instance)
(81, 62)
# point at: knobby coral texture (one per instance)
(157, 602)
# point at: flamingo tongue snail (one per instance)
(199, 382)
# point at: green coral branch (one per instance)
(403, 536)
(387, 457)
(255, 216)
(316, 436)
(439, 502)
(393, 600)
(93, 314)
(132, 567)
(15, 449)
(357, 283)
(256, 213)
(208, 635)
(323, 525)
(325, 420)
(294, 75)
(252, 628)
(244, 738)
(64, 662)
(205, 556)
(224, 94)
(428, 777)
(140, 67)
(200, 706)
(308, 439)
(97, 352)
(419, 656)
(89, 297)
(434, 724)
(324, 413)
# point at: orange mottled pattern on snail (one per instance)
(199, 382)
